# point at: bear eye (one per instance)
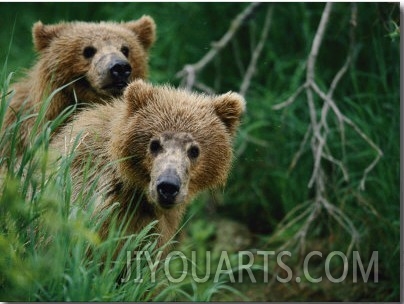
(125, 51)
(155, 146)
(193, 152)
(89, 51)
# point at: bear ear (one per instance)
(44, 34)
(137, 94)
(145, 29)
(229, 107)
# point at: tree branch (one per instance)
(317, 41)
(190, 71)
(318, 130)
(257, 52)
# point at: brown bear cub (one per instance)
(152, 151)
(95, 60)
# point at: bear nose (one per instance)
(168, 187)
(120, 70)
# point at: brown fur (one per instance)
(145, 136)
(62, 59)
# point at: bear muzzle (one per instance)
(120, 71)
(168, 187)
(118, 78)
(170, 166)
(115, 73)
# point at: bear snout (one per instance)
(120, 71)
(168, 187)
(114, 73)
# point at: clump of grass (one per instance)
(46, 251)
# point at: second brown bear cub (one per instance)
(152, 151)
(97, 59)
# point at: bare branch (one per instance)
(189, 72)
(339, 163)
(237, 56)
(317, 41)
(291, 99)
(338, 76)
(301, 148)
(354, 126)
(317, 147)
(204, 88)
(257, 52)
(319, 130)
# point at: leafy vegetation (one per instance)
(45, 252)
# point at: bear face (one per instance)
(80, 63)
(151, 150)
(104, 56)
(175, 144)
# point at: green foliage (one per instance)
(44, 251)
(263, 187)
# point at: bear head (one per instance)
(173, 143)
(99, 58)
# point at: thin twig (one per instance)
(291, 99)
(301, 149)
(189, 72)
(339, 163)
(257, 52)
(317, 41)
(204, 88)
(237, 57)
